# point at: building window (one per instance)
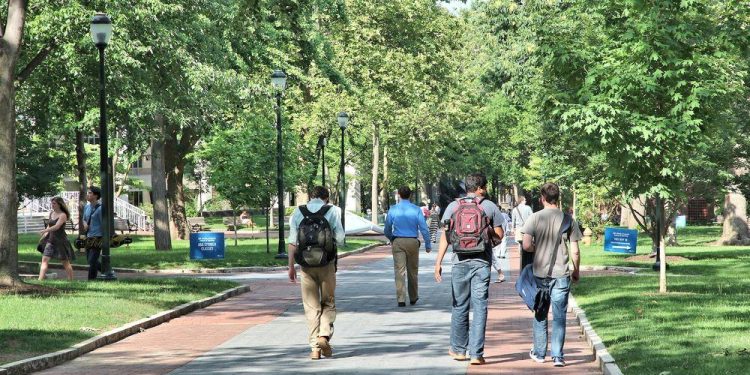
(136, 198)
(92, 139)
(138, 163)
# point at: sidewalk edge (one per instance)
(603, 358)
(81, 267)
(45, 361)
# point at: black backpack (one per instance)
(317, 247)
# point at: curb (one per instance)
(81, 267)
(603, 358)
(45, 361)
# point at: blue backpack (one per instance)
(537, 296)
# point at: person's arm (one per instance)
(86, 215)
(291, 249)
(338, 230)
(388, 226)
(528, 243)
(425, 233)
(442, 248)
(576, 253)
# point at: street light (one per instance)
(323, 161)
(278, 79)
(101, 33)
(343, 119)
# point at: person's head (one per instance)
(94, 194)
(550, 193)
(404, 192)
(476, 183)
(319, 192)
(58, 205)
(521, 199)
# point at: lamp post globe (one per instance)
(278, 80)
(101, 34)
(343, 119)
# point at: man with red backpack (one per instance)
(474, 226)
(314, 232)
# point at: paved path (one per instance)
(263, 332)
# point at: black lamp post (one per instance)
(278, 79)
(343, 119)
(101, 33)
(323, 161)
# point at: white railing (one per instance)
(123, 209)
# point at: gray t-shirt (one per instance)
(544, 227)
(496, 218)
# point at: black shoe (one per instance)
(414, 302)
(402, 304)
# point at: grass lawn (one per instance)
(141, 254)
(702, 326)
(35, 324)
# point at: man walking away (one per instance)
(402, 227)
(314, 232)
(92, 225)
(542, 236)
(520, 214)
(474, 225)
(500, 252)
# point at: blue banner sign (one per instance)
(206, 245)
(618, 240)
(680, 221)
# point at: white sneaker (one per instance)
(534, 357)
(559, 362)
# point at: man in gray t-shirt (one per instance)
(540, 233)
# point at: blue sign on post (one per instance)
(680, 221)
(206, 245)
(618, 240)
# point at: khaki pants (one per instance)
(318, 289)
(406, 265)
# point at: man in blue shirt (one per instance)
(92, 225)
(403, 224)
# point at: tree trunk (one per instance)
(82, 181)
(234, 220)
(384, 186)
(10, 42)
(375, 175)
(162, 237)
(735, 228)
(179, 143)
(662, 266)
(176, 196)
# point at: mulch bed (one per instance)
(27, 289)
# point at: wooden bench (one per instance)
(124, 225)
(197, 224)
(229, 222)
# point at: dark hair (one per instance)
(550, 193)
(64, 208)
(404, 192)
(319, 192)
(96, 191)
(475, 181)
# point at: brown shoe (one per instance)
(457, 357)
(325, 347)
(478, 361)
(315, 354)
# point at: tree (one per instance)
(11, 35)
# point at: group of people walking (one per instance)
(54, 242)
(473, 226)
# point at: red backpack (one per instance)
(469, 226)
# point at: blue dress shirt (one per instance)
(405, 219)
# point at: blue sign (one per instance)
(618, 240)
(206, 245)
(680, 221)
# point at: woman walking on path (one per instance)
(55, 241)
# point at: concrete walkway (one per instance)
(264, 332)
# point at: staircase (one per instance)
(33, 211)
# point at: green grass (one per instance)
(35, 324)
(217, 224)
(702, 326)
(141, 254)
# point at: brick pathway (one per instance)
(264, 332)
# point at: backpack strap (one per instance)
(565, 226)
(320, 213)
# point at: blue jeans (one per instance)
(470, 282)
(559, 306)
(92, 255)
